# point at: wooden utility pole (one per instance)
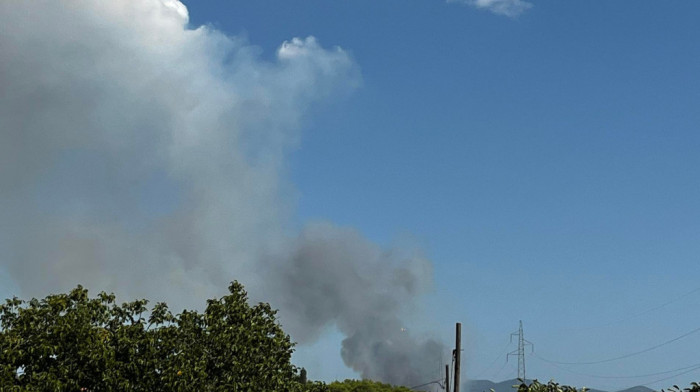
(457, 354)
(447, 378)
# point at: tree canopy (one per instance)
(73, 342)
(364, 386)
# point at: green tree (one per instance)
(364, 386)
(70, 342)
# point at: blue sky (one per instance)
(546, 163)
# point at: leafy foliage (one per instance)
(73, 342)
(694, 387)
(364, 386)
(551, 386)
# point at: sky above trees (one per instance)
(369, 167)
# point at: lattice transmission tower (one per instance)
(520, 352)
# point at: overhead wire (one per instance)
(426, 384)
(695, 366)
(670, 377)
(622, 356)
(439, 381)
(495, 375)
(635, 315)
(503, 351)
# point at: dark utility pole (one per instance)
(457, 354)
(447, 378)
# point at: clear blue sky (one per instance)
(549, 164)
(545, 158)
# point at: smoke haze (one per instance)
(141, 156)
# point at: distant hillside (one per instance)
(507, 386)
(637, 389)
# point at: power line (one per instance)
(438, 382)
(670, 377)
(662, 305)
(503, 351)
(635, 315)
(695, 366)
(623, 356)
(498, 373)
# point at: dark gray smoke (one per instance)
(143, 157)
(334, 275)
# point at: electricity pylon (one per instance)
(520, 352)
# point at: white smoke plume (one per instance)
(144, 157)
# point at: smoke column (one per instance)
(143, 156)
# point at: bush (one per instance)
(551, 386)
(364, 386)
